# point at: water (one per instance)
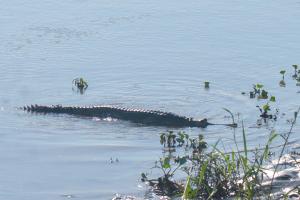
(144, 54)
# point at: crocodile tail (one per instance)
(31, 108)
(44, 109)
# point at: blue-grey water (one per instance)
(139, 54)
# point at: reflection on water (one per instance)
(151, 55)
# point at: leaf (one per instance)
(266, 152)
(244, 162)
(259, 86)
(295, 66)
(245, 141)
(282, 72)
(264, 94)
(162, 138)
(272, 137)
(166, 163)
(282, 83)
(202, 172)
(144, 177)
(272, 99)
(212, 194)
(266, 107)
(182, 160)
(189, 193)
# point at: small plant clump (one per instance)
(169, 164)
(298, 81)
(206, 85)
(265, 110)
(296, 71)
(258, 92)
(211, 174)
(80, 84)
(170, 140)
(282, 82)
(215, 174)
(296, 75)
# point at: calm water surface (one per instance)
(144, 54)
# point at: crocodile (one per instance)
(139, 116)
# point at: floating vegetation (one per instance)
(296, 71)
(296, 75)
(282, 82)
(298, 81)
(265, 110)
(258, 92)
(80, 84)
(206, 85)
(264, 113)
(261, 93)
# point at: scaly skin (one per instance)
(146, 117)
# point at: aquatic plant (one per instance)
(170, 140)
(80, 84)
(259, 92)
(264, 94)
(296, 71)
(296, 76)
(211, 174)
(298, 81)
(282, 72)
(206, 84)
(257, 88)
(282, 82)
(264, 110)
(169, 164)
